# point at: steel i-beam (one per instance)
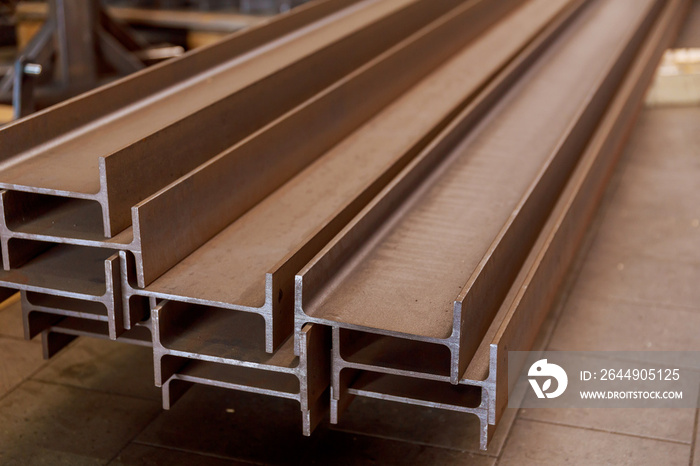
(484, 387)
(167, 120)
(390, 281)
(250, 265)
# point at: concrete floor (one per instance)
(636, 287)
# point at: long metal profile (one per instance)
(392, 234)
(225, 348)
(467, 213)
(84, 110)
(23, 250)
(85, 281)
(580, 201)
(27, 216)
(41, 311)
(162, 136)
(102, 101)
(250, 265)
(484, 388)
(257, 166)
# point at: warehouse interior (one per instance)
(78, 388)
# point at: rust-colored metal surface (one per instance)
(483, 388)
(360, 198)
(486, 201)
(85, 281)
(250, 265)
(120, 170)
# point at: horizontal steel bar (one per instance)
(536, 288)
(256, 167)
(398, 279)
(512, 247)
(220, 347)
(285, 235)
(69, 116)
(172, 128)
(76, 277)
(579, 202)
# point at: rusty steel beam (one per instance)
(207, 344)
(253, 169)
(318, 253)
(398, 268)
(32, 222)
(28, 211)
(55, 219)
(579, 203)
(223, 272)
(171, 128)
(81, 111)
(226, 347)
(371, 299)
(77, 280)
(32, 215)
(484, 387)
(221, 347)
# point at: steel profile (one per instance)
(31, 216)
(81, 282)
(536, 287)
(283, 236)
(30, 225)
(169, 128)
(341, 244)
(395, 269)
(225, 348)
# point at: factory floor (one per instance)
(636, 286)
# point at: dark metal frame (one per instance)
(78, 43)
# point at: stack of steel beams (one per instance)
(358, 198)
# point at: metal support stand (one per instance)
(25, 75)
(78, 47)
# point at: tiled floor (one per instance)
(637, 287)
